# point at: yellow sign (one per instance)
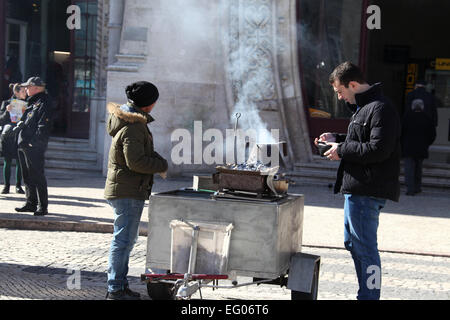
(411, 77)
(442, 64)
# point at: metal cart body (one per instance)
(266, 237)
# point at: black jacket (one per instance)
(370, 154)
(36, 127)
(418, 133)
(8, 139)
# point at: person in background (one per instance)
(131, 166)
(12, 72)
(427, 102)
(369, 170)
(8, 140)
(34, 132)
(418, 133)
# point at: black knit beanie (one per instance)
(142, 93)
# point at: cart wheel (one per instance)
(297, 295)
(161, 291)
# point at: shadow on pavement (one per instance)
(75, 198)
(76, 203)
(71, 217)
(53, 283)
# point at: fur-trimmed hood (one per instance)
(122, 115)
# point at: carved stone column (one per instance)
(116, 8)
(262, 70)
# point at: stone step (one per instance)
(319, 165)
(431, 172)
(62, 174)
(317, 177)
(71, 155)
(323, 164)
(75, 165)
(68, 140)
(62, 164)
(78, 162)
(69, 144)
(58, 172)
(66, 156)
(320, 172)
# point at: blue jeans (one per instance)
(127, 215)
(360, 238)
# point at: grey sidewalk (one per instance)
(419, 224)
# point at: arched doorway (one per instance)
(35, 41)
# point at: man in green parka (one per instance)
(131, 166)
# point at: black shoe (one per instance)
(132, 293)
(126, 294)
(41, 212)
(19, 190)
(26, 208)
(410, 193)
(5, 189)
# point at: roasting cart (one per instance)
(243, 227)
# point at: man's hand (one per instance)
(325, 137)
(332, 153)
(9, 108)
(163, 174)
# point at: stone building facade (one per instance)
(268, 60)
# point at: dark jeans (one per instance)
(32, 163)
(413, 175)
(7, 172)
(360, 238)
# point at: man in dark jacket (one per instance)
(368, 174)
(132, 163)
(34, 131)
(418, 133)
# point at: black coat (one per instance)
(8, 140)
(370, 154)
(36, 119)
(4, 115)
(418, 133)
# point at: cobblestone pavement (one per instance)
(38, 265)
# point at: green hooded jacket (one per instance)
(132, 159)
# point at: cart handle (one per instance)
(176, 276)
(190, 224)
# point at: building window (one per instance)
(84, 51)
(328, 34)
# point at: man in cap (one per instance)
(132, 163)
(34, 131)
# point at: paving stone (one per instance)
(37, 265)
